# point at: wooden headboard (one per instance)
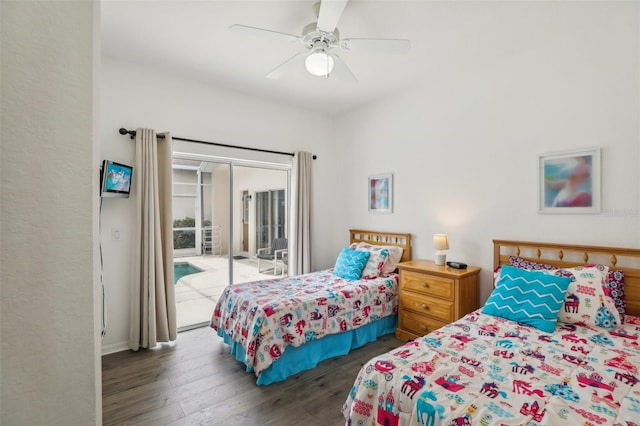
(566, 255)
(383, 239)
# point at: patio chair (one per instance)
(284, 261)
(274, 253)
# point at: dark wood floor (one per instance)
(196, 381)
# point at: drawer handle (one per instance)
(425, 285)
(425, 306)
(423, 327)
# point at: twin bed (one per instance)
(492, 367)
(490, 370)
(280, 327)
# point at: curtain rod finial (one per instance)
(124, 131)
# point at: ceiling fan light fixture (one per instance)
(319, 63)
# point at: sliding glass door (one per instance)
(270, 217)
(192, 214)
(224, 213)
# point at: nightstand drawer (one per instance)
(435, 308)
(427, 284)
(418, 324)
(431, 296)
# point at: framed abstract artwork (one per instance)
(381, 193)
(569, 182)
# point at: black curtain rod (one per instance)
(132, 134)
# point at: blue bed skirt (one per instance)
(307, 356)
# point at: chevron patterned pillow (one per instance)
(527, 297)
(350, 264)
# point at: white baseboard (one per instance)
(114, 347)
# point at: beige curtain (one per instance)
(300, 244)
(153, 307)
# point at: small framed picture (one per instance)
(569, 182)
(381, 193)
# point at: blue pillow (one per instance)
(350, 263)
(527, 297)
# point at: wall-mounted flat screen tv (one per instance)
(115, 179)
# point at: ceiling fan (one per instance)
(320, 39)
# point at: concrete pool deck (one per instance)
(197, 294)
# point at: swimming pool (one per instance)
(183, 269)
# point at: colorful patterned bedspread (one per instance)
(484, 370)
(267, 316)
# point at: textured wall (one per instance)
(50, 370)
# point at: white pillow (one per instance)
(395, 254)
(377, 258)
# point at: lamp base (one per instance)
(441, 258)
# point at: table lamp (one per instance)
(440, 243)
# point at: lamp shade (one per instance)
(319, 63)
(440, 242)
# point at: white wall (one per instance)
(253, 180)
(135, 96)
(51, 371)
(463, 146)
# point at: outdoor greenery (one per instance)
(186, 238)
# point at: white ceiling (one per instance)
(192, 38)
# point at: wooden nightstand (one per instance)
(432, 296)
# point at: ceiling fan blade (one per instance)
(381, 45)
(293, 62)
(342, 71)
(329, 15)
(261, 32)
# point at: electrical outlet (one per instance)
(115, 234)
